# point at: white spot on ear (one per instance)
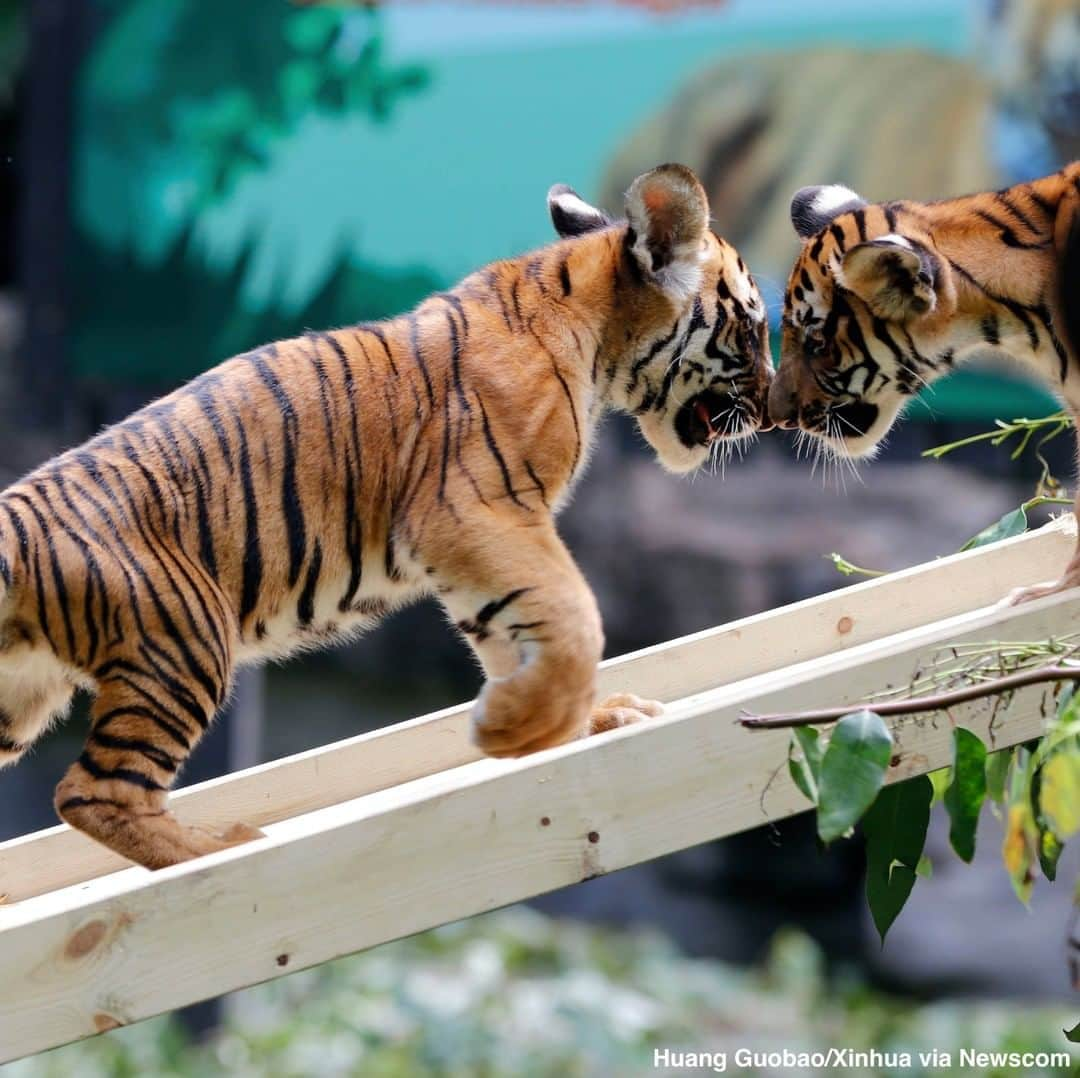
(573, 205)
(831, 198)
(895, 239)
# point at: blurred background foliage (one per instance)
(180, 102)
(516, 993)
(12, 47)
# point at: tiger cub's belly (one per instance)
(300, 624)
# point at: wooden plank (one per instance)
(60, 857)
(127, 946)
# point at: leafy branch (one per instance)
(1024, 430)
(917, 705)
(1037, 785)
(842, 565)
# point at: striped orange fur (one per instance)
(292, 495)
(884, 298)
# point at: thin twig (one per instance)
(915, 705)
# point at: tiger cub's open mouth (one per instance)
(708, 416)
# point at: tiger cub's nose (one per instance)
(783, 406)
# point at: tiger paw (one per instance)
(507, 720)
(238, 833)
(622, 709)
(1040, 591)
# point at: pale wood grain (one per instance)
(60, 857)
(456, 843)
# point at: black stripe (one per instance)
(1019, 312)
(492, 280)
(378, 334)
(353, 517)
(251, 580)
(177, 733)
(445, 462)
(87, 802)
(1008, 236)
(514, 297)
(696, 322)
(1009, 207)
(39, 587)
(573, 413)
(860, 223)
(493, 448)
(203, 483)
(990, 330)
(492, 609)
(178, 690)
(881, 331)
(95, 580)
(1044, 204)
(459, 308)
(657, 346)
(538, 481)
(157, 708)
(564, 276)
(117, 774)
(160, 551)
(202, 389)
(455, 362)
(325, 390)
(21, 535)
(291, 506)
(305, 608)
(418, 355)
(152, 752)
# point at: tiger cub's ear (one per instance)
(814, 208)
(571, 214)
(669, 215)
(893, 276)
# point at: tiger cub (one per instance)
(294, 494)
(884, 298)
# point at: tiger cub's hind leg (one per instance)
(117, 791)
(28, 706)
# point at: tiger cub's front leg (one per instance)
(522, 603)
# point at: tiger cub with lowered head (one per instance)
(294, 494)
(884, 298)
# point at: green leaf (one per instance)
(895, 830)
(1012, 523)
(1073, 1034)
(852, 772)
(940, 779)
(997, 772)
(804, 761)
(925, 867)
(1050, 847)
(1059, 792)
(1017, 849)
(966, 792)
